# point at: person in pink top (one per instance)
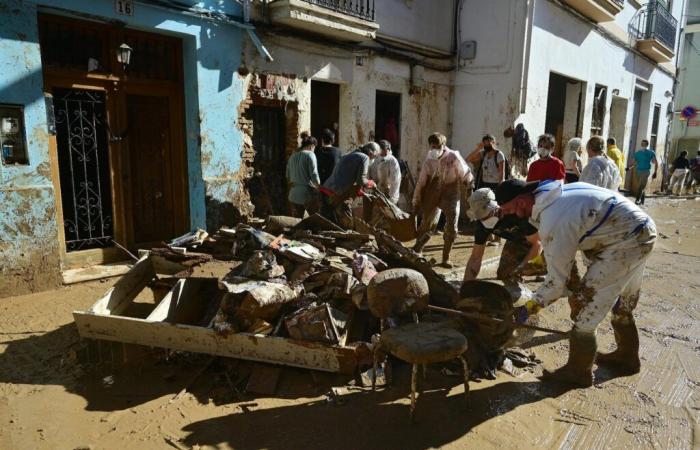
(438, 189)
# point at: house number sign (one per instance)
(124, 7)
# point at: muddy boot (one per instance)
(625, 359)
(446, 249)
(579, 369)
(420, 243)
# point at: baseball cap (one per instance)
(481, 203)
(509, 189)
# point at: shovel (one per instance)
(494, 320)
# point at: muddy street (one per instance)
(57, 391)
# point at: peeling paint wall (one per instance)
(29, 253)
(423, 110)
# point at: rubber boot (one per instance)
(579, 369)
(420, 243)
(446, 249)
(625, 358)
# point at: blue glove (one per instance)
(522, 313)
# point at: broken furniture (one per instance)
(182, 318)
(397, 292)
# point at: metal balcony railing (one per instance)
(620, 3)
(654, 21)
(356, 8)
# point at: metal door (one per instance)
(84, 170)
(268, 189)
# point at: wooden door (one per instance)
(268, 191)
(150, 180)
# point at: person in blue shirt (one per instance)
(642, 161)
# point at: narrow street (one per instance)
(58, 392)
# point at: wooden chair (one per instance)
(395, 292)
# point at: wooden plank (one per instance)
(126, 289)
(96, 272)
(269, 349)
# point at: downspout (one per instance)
(669, 121)
(525, 74)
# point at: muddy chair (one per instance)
(396, 292)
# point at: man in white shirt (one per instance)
(388, 172)
(600, 171)
(439, 188)
(616, 236)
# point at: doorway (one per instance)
(565, 100)
(636, 113)
(118, 153)
(618, 120)
(387, 120)
(268, 188)
(325, 108)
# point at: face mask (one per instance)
(488, 147)
(490, 223)
(543, 152)
(434, 153)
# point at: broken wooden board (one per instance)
(95, 272)
(176, 323)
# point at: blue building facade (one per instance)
(96, 150)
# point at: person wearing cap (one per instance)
(522, 241)
(439, 189)
(616, 237)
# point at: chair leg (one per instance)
(465, 367)
(375, 363)
(414, 383)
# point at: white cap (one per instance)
(481, 203)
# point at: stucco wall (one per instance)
(688, 93)
(211, 56)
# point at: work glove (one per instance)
(522, 313)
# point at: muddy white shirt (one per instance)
(579, 216)
(451, 170)
(389, 177)
(601, 171)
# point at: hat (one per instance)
(481, 203)
(509, 189)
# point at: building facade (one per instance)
(99, 149)
(572, 68)
(685, 129)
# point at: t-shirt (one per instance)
(571, 160)
(327, 158)
(546, 169)
(489, 167)
(681, 163)
(510, 227)
(643, 157)
(301, 170)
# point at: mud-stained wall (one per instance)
(29, 257)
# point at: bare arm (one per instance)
(474, 264)
(535, 247)
(502, 170)
(475, 156)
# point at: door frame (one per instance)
(116, 86)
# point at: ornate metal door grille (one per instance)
(83, 161)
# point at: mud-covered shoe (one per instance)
(625, 359)
(578, 370)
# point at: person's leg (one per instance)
(642, 178)
(598, 291)
(426, 226)
(450, 234)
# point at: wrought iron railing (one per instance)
(654, 21)
(363, 9)
(620, 3)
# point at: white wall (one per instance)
(426, 22)
(487, 93)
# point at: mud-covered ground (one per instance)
(52, 396)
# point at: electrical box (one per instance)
(467, 50)
(13, 143)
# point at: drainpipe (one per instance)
(669, 124)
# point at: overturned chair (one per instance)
(397, 292)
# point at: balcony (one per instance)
(597, 10)
(347, 20)
(655, 29)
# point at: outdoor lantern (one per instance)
(124, 54)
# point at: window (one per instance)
(599, 102)
(12, 139)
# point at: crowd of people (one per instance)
(562, 207)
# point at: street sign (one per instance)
(124, 7)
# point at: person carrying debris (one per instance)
(522, 241)
(348, 177)
(490, 163)
(327, 155)
(601, 170)
(302, 174)
(388, 173)
(616, 236)
(439, 189)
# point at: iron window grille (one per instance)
(363, 9)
